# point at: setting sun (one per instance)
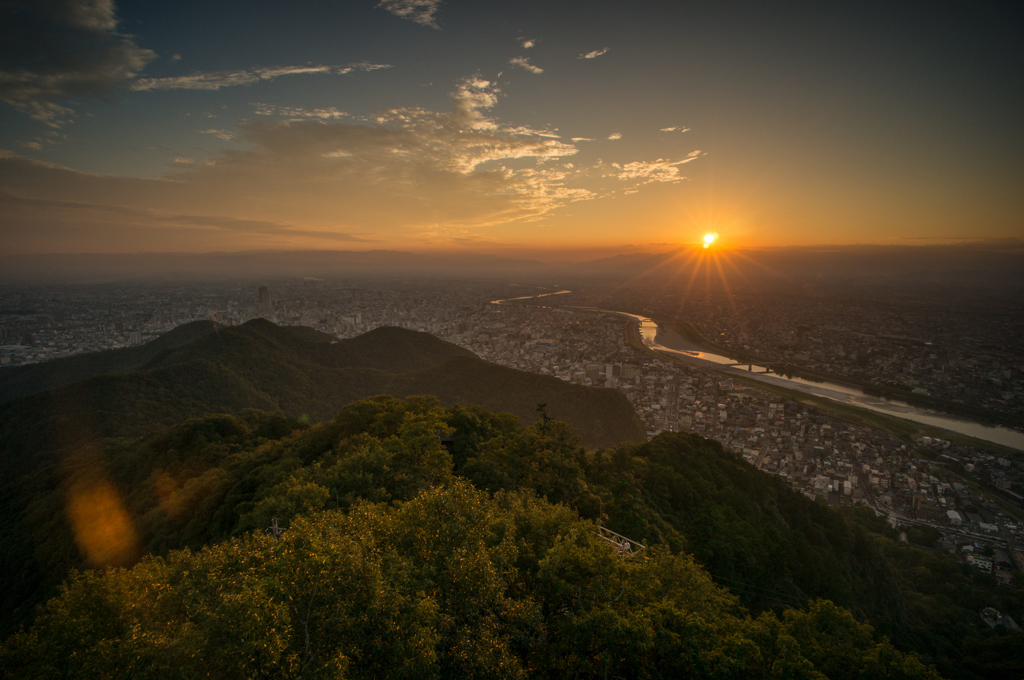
(709, 239)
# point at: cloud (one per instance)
(89, 15)
(526, 130)
(254, 226)
(215, 80)
(420, 11)
(459, 141)
(35, 146)
(402, 166)
(133, 222)
(615, 135)
(63, 50)
(401, 175)
(675, 129)
(226, 135)
(298, 112)
(525, 63)
(593, 55)
(582, 139)
(527, 43)
(645, 172)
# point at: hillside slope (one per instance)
(300, 373)
(16, 381)
(482, 554)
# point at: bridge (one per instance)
(766, 364)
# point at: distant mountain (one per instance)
(995, 260)
(298, 372)
(1000, 261)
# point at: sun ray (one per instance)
(756, 263)
(727, 258)
(689, 286)
(725, 285)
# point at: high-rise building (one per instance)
(265, 306)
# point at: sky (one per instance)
(565, 130)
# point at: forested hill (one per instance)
(296, 371)
(16, 381)
(404, 555)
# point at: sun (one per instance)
(709, 239)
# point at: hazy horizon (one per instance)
(999, 263)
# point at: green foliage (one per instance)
(429, 541)
(453, 583)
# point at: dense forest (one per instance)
(428, 541)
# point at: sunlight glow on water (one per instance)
(834, 391)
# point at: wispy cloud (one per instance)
(459, 141)
(595, 54)
(63, 50)
(525, 63)
(675, 129)
(645, 172)
(60, 51)
(215, 80)
(615, 135)
(527, 43)
(420, 11)
(402, 173)
(298, 112)
(134, 220)
(226, 135)
(533, 132)
(582, 139)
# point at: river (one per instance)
(530, 297)
(670, 343)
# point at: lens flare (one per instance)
(103, 529)
(709, 239)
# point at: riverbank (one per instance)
(981, 415)
(846, 401)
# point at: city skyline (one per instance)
(570, 133)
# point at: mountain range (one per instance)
(992, 261)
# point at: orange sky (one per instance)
(467, 127)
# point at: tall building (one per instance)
(265, 306)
